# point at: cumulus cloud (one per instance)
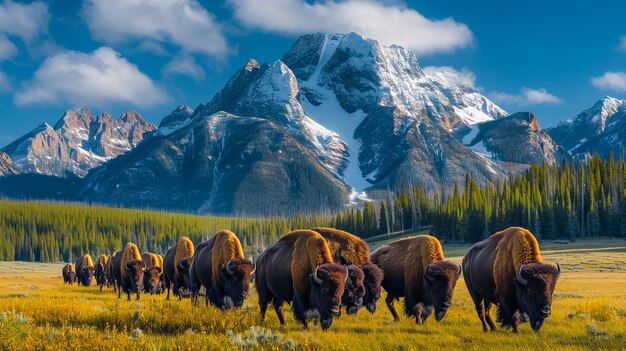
(464, 76)
(526, 97)
(622, 43)
(383, 21)
(184, 65)
(610, 81)
(7, 48)
(26, 21)
(98, 79)
(183, 23)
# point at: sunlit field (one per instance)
(39, 312)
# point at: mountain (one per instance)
(395, 119)
(517, 138)
(78, 142)
(220, 163)
(600, 129)
(6, 165)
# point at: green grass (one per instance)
(38, 312)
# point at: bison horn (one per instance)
(347, 274)
(519, 277)
(316, 278)
(253, 267)
(558, 268)
(460, 270)
(228, 269)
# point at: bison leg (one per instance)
(507, 315)
(482, 307)
(390, 304)
(278, 307)
(492, 325)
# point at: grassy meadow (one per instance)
(39, 312)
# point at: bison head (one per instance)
(354, 290)
(183, 269)
(534, 285)
(134, 268)
(152, 280)
(373, 280)
(86, 275)
(236, 274)
(439, 282)
(327, 284)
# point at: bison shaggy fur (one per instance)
(507, 270)
(153, 274)
(351, 250)
(176, 266)
(416, 270)
(84, 270)
(69, 273)
(128, 270)
(299, 268)
(219, 265)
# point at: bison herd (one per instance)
(322, 270)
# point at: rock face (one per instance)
(220, 163)
(395, 119)
(600, 129)
(6, 165)
(517, 138)
(78, 142)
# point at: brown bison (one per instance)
(101, 263)
(176, 267)
(128, 271)
(69, 274)
(351, 250)
(299, 268)
(108, 271)
(506, 269)
(415, 269)
(218, 265)
(153, 274)
(84, 270)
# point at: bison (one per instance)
(300, 268)
(415, 269)
(351, 250)
(128, 271)
(84, 270)
(101, 279)
(69, 274)
(108, 271)
(176, 267)
(506, 270)
(218, 265)
(153, 274)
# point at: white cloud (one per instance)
(526, 97)
(98, 79)
(464, 76)
(26, 21)
(610, 81)
(184, 65)
(183, 23)
(383, 21)
(622, 43)
(7, 48)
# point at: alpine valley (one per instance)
(339, 118)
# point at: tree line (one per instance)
(575, 199)
(572, 200)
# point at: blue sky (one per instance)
(553, 58)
